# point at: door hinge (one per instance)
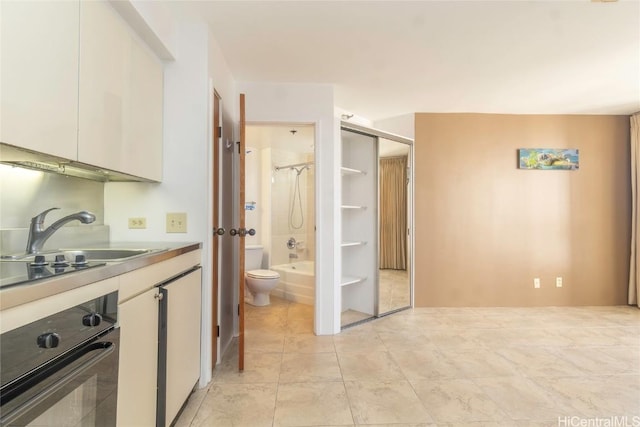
(219, 132)
(238, 309)
(238, 146)
(218, 330)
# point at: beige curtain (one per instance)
(393, 213)
(634, 270)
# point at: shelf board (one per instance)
(345, 244)
(350, 171)
(349, 280)
(353, 207)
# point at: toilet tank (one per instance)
(252, 257)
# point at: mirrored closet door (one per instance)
(376, 216)
(394, 283)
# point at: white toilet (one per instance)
(259, 282)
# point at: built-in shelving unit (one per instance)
(359, 226)
(347, 244)
(350, 171)
(346, 281)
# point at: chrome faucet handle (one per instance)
(39, 219)
(291, 243)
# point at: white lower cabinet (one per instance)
(159, 316)
(182, 299)
(138, 366)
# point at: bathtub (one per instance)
(297, 282)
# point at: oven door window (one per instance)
(81, 391)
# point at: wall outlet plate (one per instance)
(558, 282)
(536, 283)
(138, 222)
(177, 222)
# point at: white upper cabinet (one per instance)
(121, 83)
(78, 83)
(39, 57)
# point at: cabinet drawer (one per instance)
(145, 278)
(19, 315)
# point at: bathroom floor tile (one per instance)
(457, 400)
(358, 343)
(258, 368)
(257, 342)
(308, 343)
(601, 360)
(539, 362)
(596, 396)
(237, 405)
(521, 399)
(311, 404)
(426, 364)
(405, 341)
(369, 366)
(375, 402)
(300, 367)
(481, 363)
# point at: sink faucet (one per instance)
(38, 234)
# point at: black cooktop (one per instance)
(19, 272)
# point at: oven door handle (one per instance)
(59, 375)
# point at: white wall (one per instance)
(311, 103)
(253, 193)
(282, 195)
(400, 125)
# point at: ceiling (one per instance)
(390, 58)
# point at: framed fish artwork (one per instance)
(549, 158)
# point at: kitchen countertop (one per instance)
(31, 291)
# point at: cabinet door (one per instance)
(39, 76)
(120, 118)
(183, 340)
(143, 130)
(138, 366)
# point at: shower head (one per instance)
(299, 171)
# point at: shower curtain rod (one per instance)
(277, 168)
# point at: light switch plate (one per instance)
(177, 222)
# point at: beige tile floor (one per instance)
(430, 367)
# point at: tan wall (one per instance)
(484, 228)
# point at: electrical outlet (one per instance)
(536, 283)
(558, 282)
(177, 222)
(138, 222)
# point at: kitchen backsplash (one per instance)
(25, 193)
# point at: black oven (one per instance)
(62, 370)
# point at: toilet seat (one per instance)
(263, 274)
